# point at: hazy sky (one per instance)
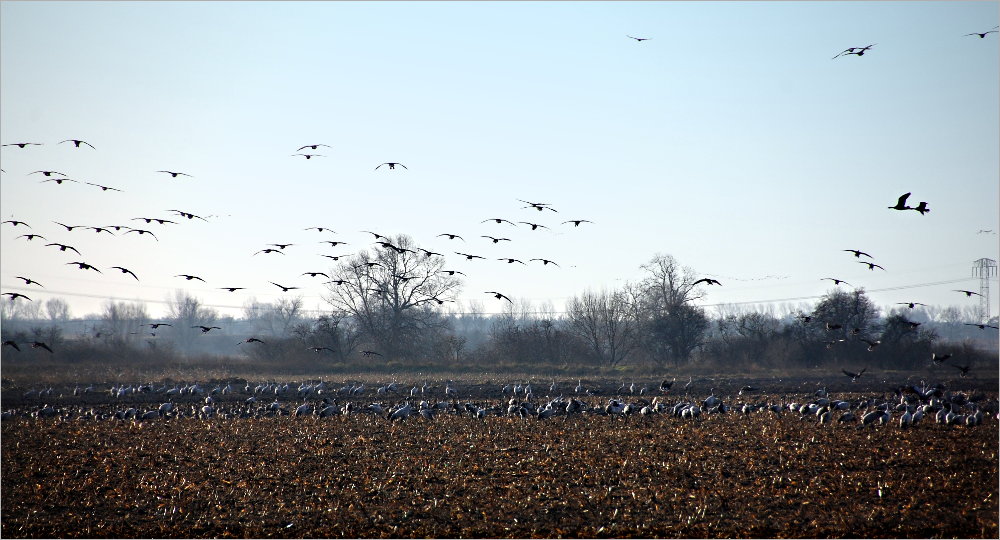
(730, 139)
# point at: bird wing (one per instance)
(902, 199)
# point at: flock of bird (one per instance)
(907, 405)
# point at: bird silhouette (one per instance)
(14, 296)
(314, 274)
(469, 257)
(282, 246)
(10, 343)
(968, 294)
(499, 220)
(836, 281)
(901, 203)
(251, 340)
(336, 282)
(871, 266)
(99, 230)
(428, 253)
(270, 250)
(534, 226)
(872, 344)
(510, 261)
(453, 236)
(707, 281)
(189, 277)
(232, 289)
(982, 326)
(103, 188)
(154, 326)
(500, 296)
(188, 215)
(939, 359)
(28, 281)
(22, 144)
(206, 329)
(859, 51)
(312, 147)
(49, 173)
(320, 229)
(142, 232)
(318, 349)
(85, 266)
(126, 271)
(371, 264)
(334, 257)
(922, 208)
(453, 272)
(392, 165)
(77, 143)
(981, 34)
(40, 345)
(377, 235)
(545, 261)
(495, 239)
(158, 220)
(282, 287)
(910, 304)
(64, 247)
(15, 223)
(309, 156)
(858, 253)
(58, 180)
(640, 39)
(368, 354)
(176, 174)
(576, 222)
(333, 243)
(854, 376)
(537, 206)
(31, 237)
(963, 369)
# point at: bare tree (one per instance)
(186, 311)
(121, 322)
(606, 322)
(392, 294)
(276, 319)
(57, 309)
(673, 327)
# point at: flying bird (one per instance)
(270, 250)
(499, 220)
(910, 304)
(49, 173)
(510, 261)
(318, 349)
(31, 237)
(99, 230)
(963, 369)
(309, 156)
(968, 294)
(142, 232)
(14, 296)
(854, 376)
(858, 253)
(453, 272)
(314, 274)
(638, 38)
(58, 180)
(22, 144)
(982, 326)
(537, 206)
(156, 325)
(103, 188)
(576, 222)
(368, 354)
(77, 143)
(871, 266)
(251, 340)
(901, 203)
(544, 261)
(282, 287)
(453, 236)
(534, 226)
(231, 289)
(126, 271)
(15, 223)
(500, 296)
(85, 266)
(708, 281)
(189, 277)
(922, 208)
(377, 235)
(10, 343)
(206, 329)
(158, 220)
(428, 252)
(469, 257)
(313, 147)
(320, 229)
(939, 359)
(859, 51)
(188, 215)
(40, 345)
(836, 281)
(872, 344)
(333, 243)
(64, 247)
(176, 174)
(392, 165)
(334, 257)
(495, 239)
(28, 281)
(981, 34)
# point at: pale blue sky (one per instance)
(730, 140)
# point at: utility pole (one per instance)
(984, 269)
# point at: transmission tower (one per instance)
(984, 269)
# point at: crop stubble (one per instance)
(584, 476)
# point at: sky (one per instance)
(730, 139)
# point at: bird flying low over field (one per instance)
(983, 326)
(40, 345)
(206, 329)
(854, 376)
(369, 354)
(251, 340)
(10, 343)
